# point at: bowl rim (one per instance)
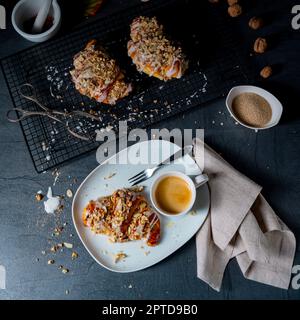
(247, 88)
(57, 11)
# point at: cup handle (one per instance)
(201, 180)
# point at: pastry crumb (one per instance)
(39, 197)
(170, 224)
(64, 270)
(69, 193)
(110, 176)
(68, 245)
(119, 256)
(74, 255)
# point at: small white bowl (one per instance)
(27, 9)
(275, 105)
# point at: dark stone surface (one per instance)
(271, 158)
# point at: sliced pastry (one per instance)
(123, 216)
(98, 76)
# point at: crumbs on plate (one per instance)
(120, 256)
(110, 176)
(170, 224)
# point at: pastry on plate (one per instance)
(123, 216)
(98, 76)
(152, 52)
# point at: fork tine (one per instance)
(136, 176)
(139, 177)
(137, 181)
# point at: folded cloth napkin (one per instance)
(240, 224)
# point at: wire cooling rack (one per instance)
(206, 35)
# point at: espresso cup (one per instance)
(173, 196)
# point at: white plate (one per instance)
(174, 233)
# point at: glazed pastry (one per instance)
(152, 52)
(123, 216)
(98, 76)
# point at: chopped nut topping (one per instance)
(54, 248)
(68, 245)
(39, 197)
(74, 255)
(69, 193)
(64, 270)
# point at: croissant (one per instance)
(123, 216)
(152, 52)
(98, 76)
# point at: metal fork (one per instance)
(148, 173)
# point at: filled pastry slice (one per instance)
(152, 52)
(98, 76)
(123, 216)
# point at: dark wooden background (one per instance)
(271, 158)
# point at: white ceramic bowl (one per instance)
(27, 9)
(273, 101)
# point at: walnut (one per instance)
(256, 23)
(260, 45)
(266, 72)
(232, 2)
(235, 10)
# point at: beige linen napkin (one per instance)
(240, 224)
